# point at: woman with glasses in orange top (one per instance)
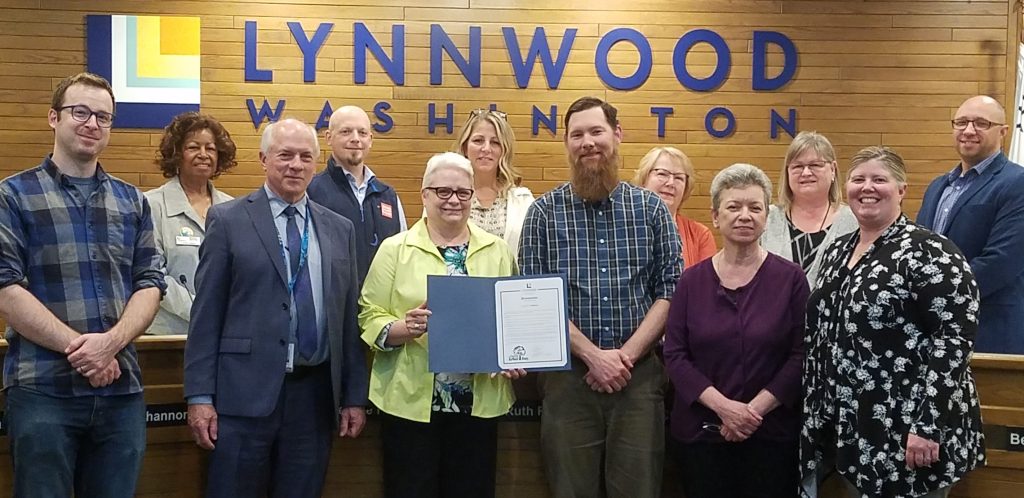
(500, 204)
(810, 213)
(667, 172)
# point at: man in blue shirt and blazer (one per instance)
(273, 351)
(979, 205)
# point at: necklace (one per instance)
(824, 218)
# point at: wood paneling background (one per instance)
(869, 73)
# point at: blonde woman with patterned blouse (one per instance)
(499, 205)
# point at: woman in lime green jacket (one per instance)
(439, 431)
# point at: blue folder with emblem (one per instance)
(462, 331)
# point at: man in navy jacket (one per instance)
(348, 187)
(979, 205)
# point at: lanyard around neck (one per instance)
(303, 251)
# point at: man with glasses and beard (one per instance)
(620, 251)
(979, 205)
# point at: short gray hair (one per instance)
(447, 160)
(740, 175)
(271, 129)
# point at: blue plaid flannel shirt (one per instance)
(83, 262)
(619, 256)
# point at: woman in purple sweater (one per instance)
(734, 349)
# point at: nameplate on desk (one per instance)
(166, 415)
(163, 415)
(1004, 437)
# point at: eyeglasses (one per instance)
(666, 176)
(814, 167)
(979, 123)
(499, 114)
(445, 193)
(82, 114)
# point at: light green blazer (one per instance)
(400, 383)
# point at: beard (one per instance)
(350, 159)
(595, 183)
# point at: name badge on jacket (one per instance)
(385, 210)
(187, 237)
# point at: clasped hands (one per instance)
(921, 452)
(739, 420)
(94, 356)
(608, 370)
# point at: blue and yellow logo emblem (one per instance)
(152, 62)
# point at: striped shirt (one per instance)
(619, 256)
(956, 184)
(82, 260)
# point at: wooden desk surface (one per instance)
(174, 466)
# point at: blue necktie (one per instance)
(305, 312)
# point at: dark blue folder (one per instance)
(462, 334)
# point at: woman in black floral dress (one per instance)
(890, 401)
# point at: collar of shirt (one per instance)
(615, 194)
(176, 201)
(367, 176)
(978, 169)
(51, 168)
(278, 205)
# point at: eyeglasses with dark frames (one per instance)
(979, 123)
(445, 193)
(82, 113)
(499, 114)
(666, 176)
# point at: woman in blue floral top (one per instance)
(889, 398)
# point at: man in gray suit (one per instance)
(273, 350)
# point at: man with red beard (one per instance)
(979, 205)
(619, 249)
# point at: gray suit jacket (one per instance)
(238, 337)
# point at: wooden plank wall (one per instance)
(870, 72)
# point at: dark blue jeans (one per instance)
(91, 445)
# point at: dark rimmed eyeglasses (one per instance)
(499, 114)
(979, 123)
(445, 193)
(666, 176)
(82, 113)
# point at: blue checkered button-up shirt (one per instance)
(82, 261)
(957, 183)
(619, 256)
